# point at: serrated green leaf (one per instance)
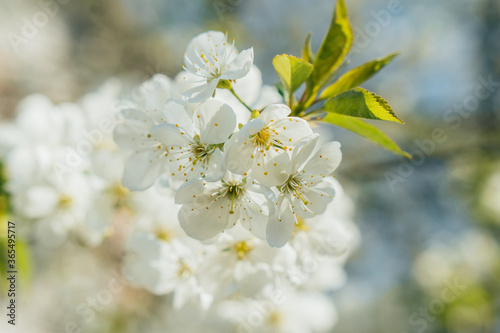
(292, 71)
(307, 54)
(361, 103)
(356, 76)
(335, 46)
(366, 130)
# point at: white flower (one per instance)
(99, 109)
(39, 139)
(209, 57)
(263, 144)
(306, 192)
(57, 207)
(163, 267)
(147, 161)
(282, 311)
(331, 234)
(245, 265)
(210, 207)
(301, 312)
(156, 213)
(193, 143)
(324, 242)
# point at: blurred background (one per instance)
(429, 259)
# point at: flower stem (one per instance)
(239, 99)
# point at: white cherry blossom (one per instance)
(264, 143)
(307, 190)
(216, 197)
(147, 161)
(211, 207)
(193, 144)
(242, 264)
(164, 267)
(56, 208)
(210, 58)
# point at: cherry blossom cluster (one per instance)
(260, 168)
(219, 199)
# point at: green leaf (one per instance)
(356, 76)
(335, 46)
(307, 54)
(366, 130)
(292, 71)
(361, 103)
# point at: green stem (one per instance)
(239, 99)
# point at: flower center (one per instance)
(120, 195)
(242, 249)
(200, 152)
(212, 65)
(233, 190)
(184, 270)
(65, 201)
(293, 186)
(164, 234)
(275, 318)
(263, 138)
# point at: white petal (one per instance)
(10, 136)
(240, 66)
(317, 197)
(171, 135)
(252, 127)
(289, 131)
(324, 162)
(141, 170)
(154, 93)
(186, 80)
(151, 264)
(259, 202)
(203, 43)
(238, 155)
(202, 92)
(179, 113)
(271, 169)
(248, 88)
(215, 121)
(25, 164)
(184, 292)
(274, 112)
(133, 132)
(214, 168)
(36, 202)
(202, 223)
(196, 192)
(302, 152)
(37, 120)
(280, 227)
